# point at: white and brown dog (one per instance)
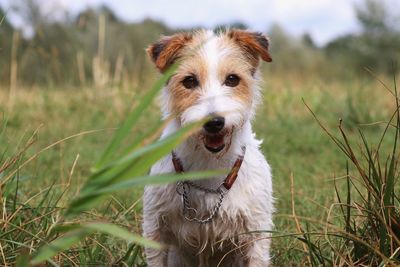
(223, 221)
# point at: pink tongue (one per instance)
(214, 141)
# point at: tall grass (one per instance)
(363, 227)
(122, 166)
(38, 188)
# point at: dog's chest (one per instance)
(222, 229)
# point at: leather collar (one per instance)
(230, 178)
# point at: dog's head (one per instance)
(216, 77)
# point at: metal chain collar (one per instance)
(189, 213)
(183, 189)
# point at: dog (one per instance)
(225, 220)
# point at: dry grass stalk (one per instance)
(13, 69)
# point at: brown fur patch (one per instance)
(167, 50)
(243, 93)
(253, 43)
(192, 63)
(181, 98)
(237, 63)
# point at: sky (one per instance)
(323, 19)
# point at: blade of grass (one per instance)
(122, 233)
(58, 245)
(129, 165)
(23, 259)
(376, 183)
(159, 179)
(144, 103)
(80, 232)
(126, 168)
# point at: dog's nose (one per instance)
(214, 125)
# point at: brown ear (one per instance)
(254, 43)
(164, 52)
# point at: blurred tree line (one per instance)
(95, 46)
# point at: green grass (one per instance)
(294, 144)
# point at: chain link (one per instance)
(189, 213)
(204, 189)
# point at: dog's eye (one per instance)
(232, 80)
(190, 82)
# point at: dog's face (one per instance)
(216, 78)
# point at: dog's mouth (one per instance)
(218, 141)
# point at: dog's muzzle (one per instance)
(214, 137)
(214, 125)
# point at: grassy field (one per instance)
(294, 145)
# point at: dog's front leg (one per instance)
(152, 229)
(155, 257)
(258, 254)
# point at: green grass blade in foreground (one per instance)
(158, 179)
(389, 192)
(74, 237)
(119, 232)
(135, 164)
(144, 103)
(129, 165)
(23, 259)
(89, 200)
(58, 245)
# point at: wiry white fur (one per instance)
(247, 207)
(216, 98)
